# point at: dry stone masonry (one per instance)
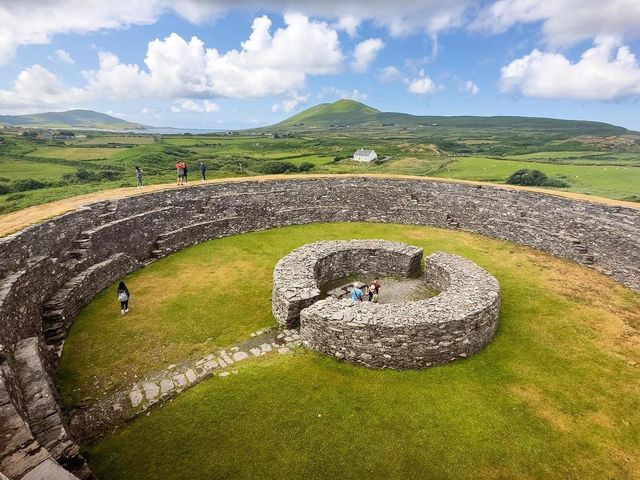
(49, 271)
(300, 276)
(454, 324)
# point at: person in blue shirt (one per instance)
(356, 293)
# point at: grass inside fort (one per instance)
(555, 395)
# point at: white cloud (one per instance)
(37, 86)
(348, 23)
(470, 87)
(63, 56)
(365, 53)
(607, 71)
(291, 103)
(389, 74)
(266, 64)
(564, 22)
(188, 105)
(115, 79)
(25, 22)
(423, 85)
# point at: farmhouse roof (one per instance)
(364, 152)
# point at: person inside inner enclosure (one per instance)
(356, 293)
(123, 297)
(374, 290)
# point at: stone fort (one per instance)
(50, 270)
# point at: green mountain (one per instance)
(69, 119)
(350, 113)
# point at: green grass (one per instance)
(75, 153)
(14, 169)
(553, 396)
(122, 139)
(560, 154)
(606, 181)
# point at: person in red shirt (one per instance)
(180, 171)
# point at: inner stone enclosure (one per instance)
(454, 324)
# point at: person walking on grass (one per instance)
(203, 170)
(123, 297)
(180, 170)
(139, 177)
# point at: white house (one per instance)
(363, 155)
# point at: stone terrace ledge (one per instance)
(457, 323)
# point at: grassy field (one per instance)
(607, 181)
(609, 168)
(555, 395)
(561, 154)
(75, 153)
(13, 169)
(117, 139)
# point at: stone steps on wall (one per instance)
(54, 315)
(581, 251)
(43, 413)
(160, 245)
(20, 452)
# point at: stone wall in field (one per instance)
(59, 254)
(456, 323)
(299, 277)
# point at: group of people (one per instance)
(372, 290)
(182, 171)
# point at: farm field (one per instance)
(74, 153)
(14, 169)
(471, 154)
(553, 396)
(117, 139)
(607, 181)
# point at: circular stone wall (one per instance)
(299, 277)
(50, 270)
(454, 324)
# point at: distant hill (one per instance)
(351, 113)
(70, 119)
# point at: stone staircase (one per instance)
(581, 251)
(42, 411)
(66, 303)
(81, 246)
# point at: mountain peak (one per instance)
(340, 111)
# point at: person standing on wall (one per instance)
(203, 170)
(180, 172)
(138, 177)
(123, 297)
(184, 169)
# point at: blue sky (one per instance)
(223, 64)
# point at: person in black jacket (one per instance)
(203, 170)
(123, 297)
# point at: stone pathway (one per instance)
(152, 389)
(166, 384)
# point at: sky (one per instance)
(225, 64)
